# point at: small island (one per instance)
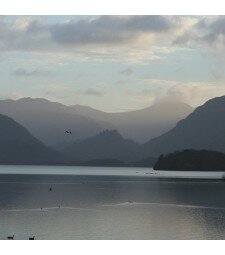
(192, 160)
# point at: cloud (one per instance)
(31, 33)
(127, 71)
(51, 86)
(102, 38)
(58, 92)
(25, 33)
(214, 30)
(35, 34)
(24, 72)
(94, 92)
(111, 38)
(110, 29)
(12, 95)
(208, 31)
(156, 82)
(195, 93)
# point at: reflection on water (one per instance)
(110, 207)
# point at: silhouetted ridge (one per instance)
(18, 146)
(144, 124)
(109, 135)
(108, 144)
(202, 129)
(47, 121)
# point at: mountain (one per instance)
(18, 146)
(192, 160)
(141, 125)
(202, 129)
(108, 145)
(47, 121)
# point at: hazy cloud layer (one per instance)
(12, 95)
(97, 37)
(128, 71)
(209, 30)
(94, 92)
(24, 72)
(110, 29)
(193, 93)
(34, 34)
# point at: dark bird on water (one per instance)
(10, 237)
(32, 238)
(68, 132)
(50, 189)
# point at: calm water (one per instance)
(110, 203)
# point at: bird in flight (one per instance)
(68, 132)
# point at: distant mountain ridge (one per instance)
(108, 144)
(47, 121)
(144, 124)
(204, 128)
(18, 146)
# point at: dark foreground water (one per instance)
(108, 203)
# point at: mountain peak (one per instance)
(202, 129)
(110, 134)
(215, 101)
(18, 146)
(108, 144)
(48, 120)
(33, 100)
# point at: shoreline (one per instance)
(117, 178)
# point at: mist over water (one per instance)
(123, 203)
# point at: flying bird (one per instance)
(68, 132)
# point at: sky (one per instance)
(113, 63)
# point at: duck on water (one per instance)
(12, 237)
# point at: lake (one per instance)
(110, 203)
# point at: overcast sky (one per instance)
(113, 63)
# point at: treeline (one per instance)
(148, 162)
(192, 160)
